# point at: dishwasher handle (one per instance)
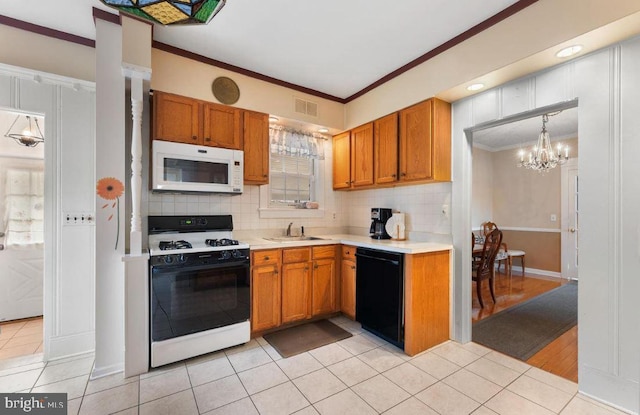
(394, 262)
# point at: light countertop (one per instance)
(405, 247)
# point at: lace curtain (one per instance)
(289, 142)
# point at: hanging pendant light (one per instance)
(26, 131)
(170, 12)
(542, 157)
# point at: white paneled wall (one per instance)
(606, 86)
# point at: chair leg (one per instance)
(479, 291)
(493, 296)
(522, 265)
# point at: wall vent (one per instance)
(306, 107)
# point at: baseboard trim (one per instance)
(67, 346)
(100, 372)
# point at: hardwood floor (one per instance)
(560, 356)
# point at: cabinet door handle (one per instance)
(403, 174)
(346, 182)
(207, 139)
(315, 267)
(194, 137)
(353, 267)
(393, 175)
(275, 272)
(265, 175)
(306, 268)
(348, 252)
(266, 258)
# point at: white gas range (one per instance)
(199, 287)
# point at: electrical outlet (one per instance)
(554, 218)
(78, 218)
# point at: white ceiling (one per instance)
(333, 46)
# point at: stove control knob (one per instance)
(182, 259)
(225, 255)
(168, 259)
(237, 254)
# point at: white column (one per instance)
(137, 76)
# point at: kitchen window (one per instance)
(292, 180)
(296, 171)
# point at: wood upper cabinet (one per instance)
(324, 280)
(256, 147)
(342, 161)
(362, 155)
(222, 126)
(348, 281)
(385, 144)
(425, 141)
(176, 118)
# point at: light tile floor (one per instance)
(20, 338)
(359, 375)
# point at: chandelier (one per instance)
(170, 12)
(24, 132)
(542, 157)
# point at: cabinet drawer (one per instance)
(264, 257)
(349, 252)
(296, 255)
(327, 251)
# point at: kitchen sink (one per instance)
(293, 238)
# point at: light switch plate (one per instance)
(78, 218)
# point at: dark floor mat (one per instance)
(299, 339)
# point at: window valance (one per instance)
(290, 142)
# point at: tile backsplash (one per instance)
(423, 206)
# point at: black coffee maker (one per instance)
(379, 218)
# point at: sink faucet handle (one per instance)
(289, 229)
(302, 231)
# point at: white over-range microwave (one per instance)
(179, 167)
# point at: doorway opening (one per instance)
(534, 213)
(22, 167)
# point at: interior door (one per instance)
(570, 221)
(21, 262)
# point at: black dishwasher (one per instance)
(380, 292)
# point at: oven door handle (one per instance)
(155, 269)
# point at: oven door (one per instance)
(187, 300)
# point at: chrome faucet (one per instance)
(289, 229)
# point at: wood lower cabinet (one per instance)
(265, 298)
(256, 147)
(292, 284)
(324, 280)
(348, 281)
(426, 300)
(265, 289)
(296, 284)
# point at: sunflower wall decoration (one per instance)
(110, 188)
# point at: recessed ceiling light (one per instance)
(475, 87)
(569, 51)
(273, 119)
(323, 130)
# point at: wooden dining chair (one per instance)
(502, 257)
(483, 268)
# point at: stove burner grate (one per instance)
(221, 242)
(167, 245)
